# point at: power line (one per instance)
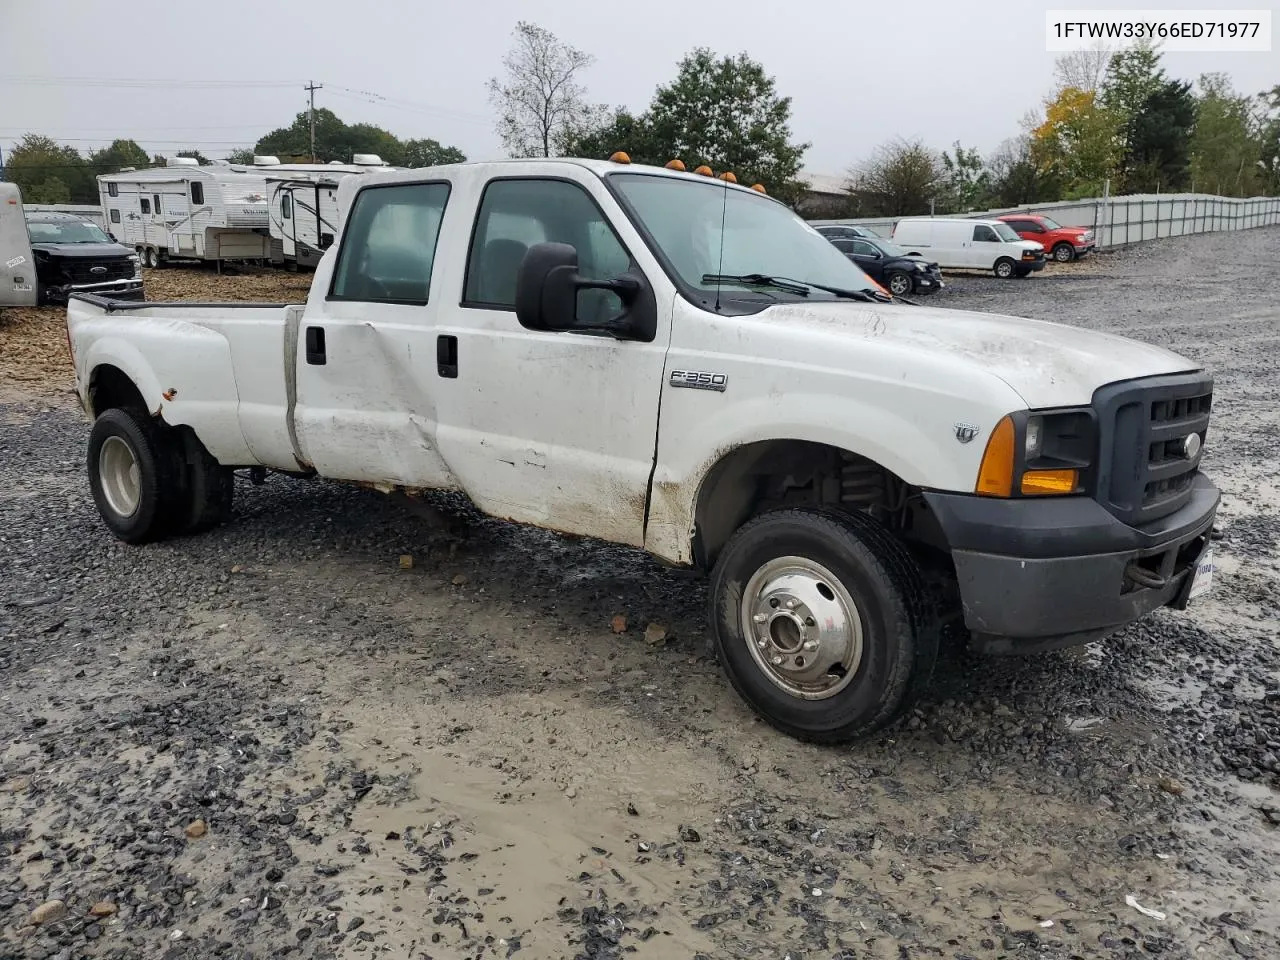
(140, 82)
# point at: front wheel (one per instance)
(822, 622)
(1004, 268)
(899, 284)
(1064, 253)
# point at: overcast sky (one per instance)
(858, 74)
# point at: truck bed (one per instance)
(224, 360)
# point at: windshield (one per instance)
(1050, 224)
(66, 231)
(1004, 231)
(684, 217)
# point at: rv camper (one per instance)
(17, 264)
(303, 200)
(185, 211)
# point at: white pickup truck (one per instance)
(678, 363)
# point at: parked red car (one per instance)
(1062, 243)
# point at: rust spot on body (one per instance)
(170, 393)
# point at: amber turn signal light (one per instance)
(995, 475)
(1040, 482)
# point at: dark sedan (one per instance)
(72, 254)
(890, 266)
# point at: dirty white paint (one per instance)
(17, 282)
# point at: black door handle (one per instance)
(447, 355)
(315, 346)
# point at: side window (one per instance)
(286, 205)
(864, 248)
(844, 246)
(389, 244)
(516, 214)
(985, 234)
(197, 193)
(156, 199)
(115, 216)
(145, 204)
(113, 190)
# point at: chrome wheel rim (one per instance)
(119, 476)
(1004, 270)
(899, 285)
(1063, 254)
(802, 628)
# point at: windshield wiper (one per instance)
(759, 280)
(800, 287)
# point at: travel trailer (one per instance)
(303, 203)
(185, 211)
(17, 265)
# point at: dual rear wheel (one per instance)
(151, 481)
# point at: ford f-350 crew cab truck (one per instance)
(680, 364)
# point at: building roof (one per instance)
(824, 183)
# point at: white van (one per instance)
(970, 245)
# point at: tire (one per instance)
(152, 261)
(876, 589)
(135, 481)
(899, 283)
(209, 491)
(1064, 252)
(1004, 268)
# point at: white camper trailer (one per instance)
(185, 211)
(303, 202)
(17, 264)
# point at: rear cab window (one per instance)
(389, 245)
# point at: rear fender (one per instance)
(184, 373)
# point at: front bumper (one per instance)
(1038, 575)
(1030, 266)
(130, 289)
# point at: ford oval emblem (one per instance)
(98, 270)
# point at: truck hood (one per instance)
(96, 251)
(1047, 364)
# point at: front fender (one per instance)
(183, 371)
(688, 451)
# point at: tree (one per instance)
(1155, 115)
(121, 154)
(726, 113)
(1267, 120)
(1158, 154)
(1225, 151)
(47, 172)
(899, 180)
(541, 105)
(620, 130)
(293, 143)
(1081, 69)
(243, 155)
(1016, 179)
(966, 183)
(430, 153)
(1079, 142)
(195, 155)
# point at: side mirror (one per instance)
(547, 288)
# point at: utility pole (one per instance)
(311, 88)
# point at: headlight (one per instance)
(1038, 454)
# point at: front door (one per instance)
(985, 248)
(868, 258)
(288, 223)
(554, 429)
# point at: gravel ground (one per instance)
(279, 739)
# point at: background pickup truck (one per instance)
(681, 364)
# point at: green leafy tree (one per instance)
(430, 153)
(121, 154)
(1016, 179)
(243, 155)
(1158, 152)
(726, 112)
(1225, 149)
(966, 183)
(899, 180)
(293, 143)
(621, 130)
(194, 155)
(1267, 116)
(541, 102)
(47, 172)
(1079, 143)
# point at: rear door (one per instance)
(288, 221)
(866, 256)
(17, 267)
